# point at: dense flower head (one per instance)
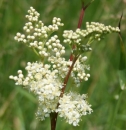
(44, 83)
(46, 80)
(47, 85)
(72, 107)
(37, 34)
(35, 73)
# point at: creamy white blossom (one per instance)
(83, 38)
(79, 70)
(72, 107)
(46, 80)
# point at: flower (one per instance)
(45, 78)
(44, 83)
(72, 107)
(83, 38)
(79, 70)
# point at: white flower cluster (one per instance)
(36, 33)
(78, 72)
(44, 83)
(47, 80)
(93, 31)
(60, 65)
(72, 107)
(52, 45)
(47, 85)
(33, 15)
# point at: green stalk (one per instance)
(115, 111)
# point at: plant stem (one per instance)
(79, 25)
(68, 75)
(81, 16)
(115, 112)
(53, 116)
(84, 7)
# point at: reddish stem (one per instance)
(53, 116)
(79, 25)
(67, 76)
(81, 17)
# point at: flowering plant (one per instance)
(48, 78)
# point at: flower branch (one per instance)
(67, 76)
(48, 80)
(80, 21)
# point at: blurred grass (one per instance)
(18, 106)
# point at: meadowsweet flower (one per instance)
(46, 81)
(72, 107)
(83, 38)
(37, 33)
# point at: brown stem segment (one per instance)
(79, 25)
(53, 118)
(67, 76)
(81, 17)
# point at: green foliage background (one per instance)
(18, 106)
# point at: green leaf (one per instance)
(122, 64)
